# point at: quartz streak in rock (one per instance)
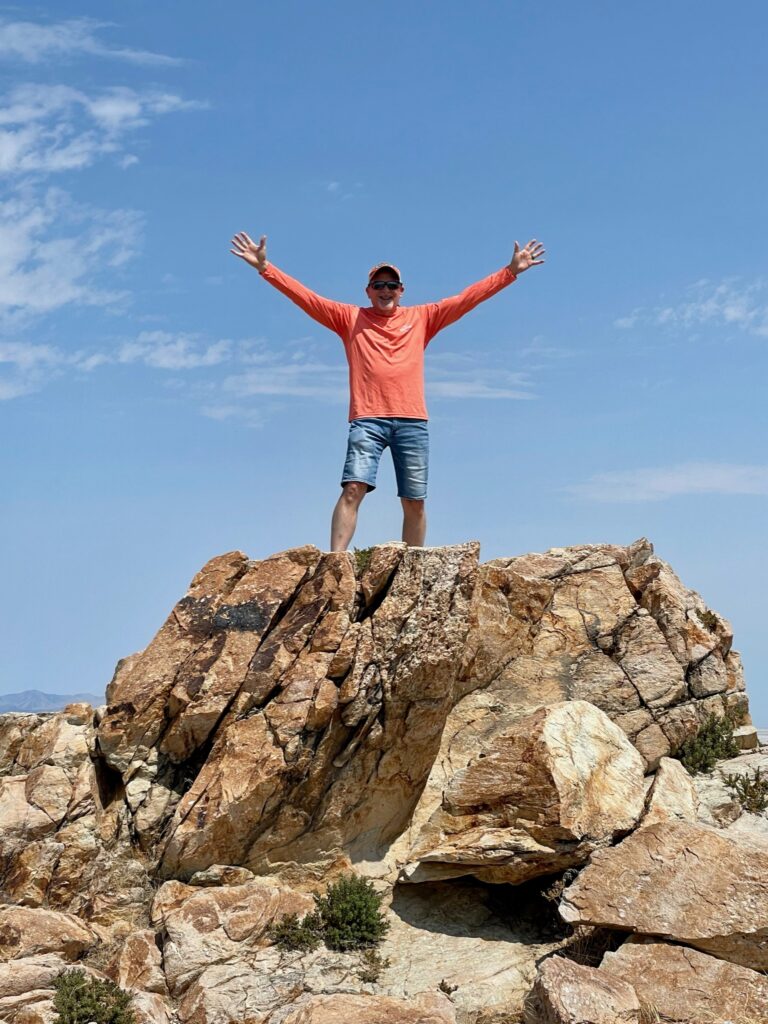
(560, 783)
(684, 882)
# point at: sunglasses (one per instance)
(380, 285)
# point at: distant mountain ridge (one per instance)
(36, 700)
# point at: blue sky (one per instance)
(160, 404)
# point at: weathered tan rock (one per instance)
(14, 727)
(26, 932)
(151, 1008)
(689, 883)
(48, 788)
(272, 792)
(31, 871)
(136, 716)
(367, 1009)
(62, 740)
(223, 925)
(683, 984)
(28, 974)
(20, 821)
(672, 796)
(138, 965)
(682, 617)
(644, 656)
(746, 737)
(568, 993)
(543, 796)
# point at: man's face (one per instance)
(384, 300)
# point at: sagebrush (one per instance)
(712, 743)
(347, 917)
(750, 790)
(80, 999)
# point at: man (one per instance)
(385, 345)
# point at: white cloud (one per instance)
(164, 351)
(454, 375)
(731, 303)
(26, 367)
(53, 128)
(660, 483)
(54, 252)
(34, 43)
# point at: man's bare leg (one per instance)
(344, 518)
(414, 522)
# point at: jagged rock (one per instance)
(281, 786)
(221, 925)
(685, 984)
(539, 799)
(568, 993)
(672, 796)
(684, 882)
(26, 932)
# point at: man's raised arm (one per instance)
(336, 316)
(448, 311)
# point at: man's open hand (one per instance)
(247, 250)
(529, 256)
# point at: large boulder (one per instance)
(684, 882)
(540, 798)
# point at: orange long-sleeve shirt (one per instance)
(386, 353)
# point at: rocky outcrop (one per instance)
(447, 728)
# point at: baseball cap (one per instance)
(383, 266)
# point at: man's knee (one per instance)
(353, 492)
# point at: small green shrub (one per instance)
(362, 559)
(712, 743)
(372, 964)
(80, 999)
(750, 790)
(350, 914)
(292, 933)
(348, 917)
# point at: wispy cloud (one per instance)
(54, 252)
(26, 367)
(452, 375)
(34, 43)
(165, 351)
(660, 483)
(731, 303)
(53, 128)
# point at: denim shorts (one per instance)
(407, 439)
